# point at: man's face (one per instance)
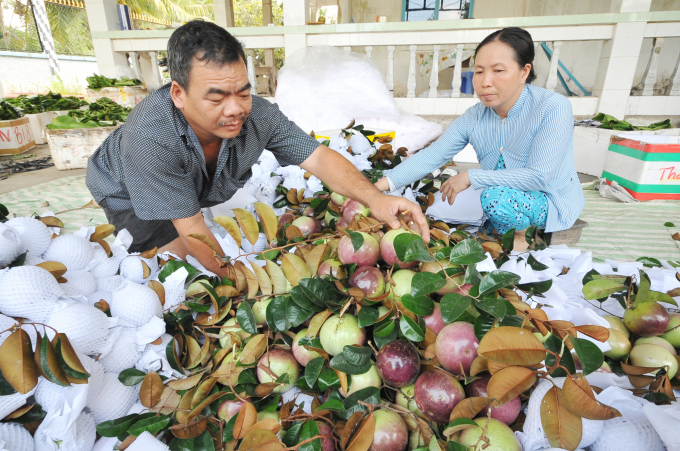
(218, 100)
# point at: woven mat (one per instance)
(621, 232)
(64, 197)
(625, 232)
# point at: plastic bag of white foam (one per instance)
(15, 437)
(28, 292)
(147, 442)
(324, 88)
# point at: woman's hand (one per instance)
(454, 185)
(382, 184)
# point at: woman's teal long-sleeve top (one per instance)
(536, 140)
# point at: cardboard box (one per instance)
(72, 148)
(648, 167)
(38, 123)
(16, 136)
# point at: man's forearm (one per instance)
(340, 175)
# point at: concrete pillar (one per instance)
(649, 79)
(434, 73)
(390, 67)
(268, 18)
(148, 66)
(295, 13)
(224, 13)
(551, 82)
(411, 84)
(344, 11)
(457, 80)
(102, 15)
(618, 60)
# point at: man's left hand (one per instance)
(388, 208)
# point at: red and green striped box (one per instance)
(647, 166)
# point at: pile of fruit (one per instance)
(329, 331)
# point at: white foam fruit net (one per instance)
(10, 403)
(147, 442)
(10, 245)
(123, 354)
(28, 292)
(535, 438)
(136, 303)
(109, 283)
(35, 235)
(79, 283)
(97, 296)
(16, 437)
(48, 394)
(102, 265)
(86, 327)
(131, 268)
(114, 401)
(74, 251)
(630, 432)
(260, 244)
(5, 323)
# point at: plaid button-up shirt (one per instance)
(154, 163)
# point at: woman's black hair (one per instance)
(521, 43)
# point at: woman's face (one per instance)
(498, 79)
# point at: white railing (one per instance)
(384, 43)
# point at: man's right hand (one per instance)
(185, 245)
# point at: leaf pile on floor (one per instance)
(40, 103)
(102, 113)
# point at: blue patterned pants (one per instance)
(508, 208)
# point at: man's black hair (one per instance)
(521, 43)
(204, 41)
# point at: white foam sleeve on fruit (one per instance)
(300, 398)
(10, 245)
(10, 403)
(55, 433)
(79, 283)
(5, 323)
(114, 401)
(110, 283)
(28, 292)
(632, 431)
(260, 244)
(136, 303)
(229, 245)
(175, 293)
(33, 260)
(131, 268)
(123, 354)
(103, 265)
(666, 421)
(98, 296)
(86, 327)
(74, 251)
(532, 436)
(314, 184)
(14, 437)
(35, 236)
(147, 442)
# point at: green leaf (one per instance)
(170, 355)
(661, 297)
(320, 291)
(472, 276)
(313, 370)
(5, 387)
(536, 287)
(357, 355)
(508, 240)
(452, 306)
(204, 442)
(535, 264)
(340, 363)
(177, 444)
(309, 429)
(328, 379)
(554, 344)
(455, 446)
(228, 432)
(601, 288)
(276, 314)
(200, 308)
(590, 275)
(650, 262)
(173, 265)
(384, 329)
(410, 247)
(493, 306)
(467, 252)
(669, 224)
(482, 325)
(297, 315)
(119, 426)
(357, 240)
(424, 283)
(644, 287)
(368, 316)
(290, 438)
(420, 305)
(131, 376)
(332, 404)
(381, 341)
(588, 353)
(412, 330)
(496, 280)
(151, 425)
(297, 295)
(459, 421)
(248, 376)
(35, 413)
(369, 395)
(245, 318)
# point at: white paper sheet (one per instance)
(466, 208)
